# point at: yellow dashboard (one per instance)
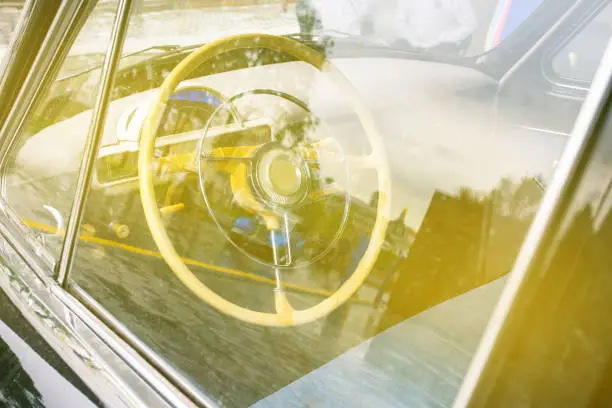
(119, 164)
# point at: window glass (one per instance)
(298, 225)
(10, 14)
(555, 348)
(41, 172)
(454, 28)
(579, 59)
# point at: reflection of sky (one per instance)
(419, 362)
(193, 26)
(187, 27)
(56, 391)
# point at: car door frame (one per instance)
(105, 361)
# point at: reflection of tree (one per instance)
(517, 200)
(511, 207)
(16, 387)
(398, 233)
(374, 199)
(564, 311)
(466, 240)
(467, 195)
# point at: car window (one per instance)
(579, 59)
(267, 221)
(36, 185)
(10, 13)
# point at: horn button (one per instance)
(281, 176)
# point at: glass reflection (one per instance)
(263, 180)
(212, 211)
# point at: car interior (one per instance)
(226, 210)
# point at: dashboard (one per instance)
(186, 116)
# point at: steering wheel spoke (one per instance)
(284, 310)
(280, 240)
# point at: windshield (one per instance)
(448, 27)
(460, 28)
(438, 30)
(455, 29)
(308, 203)
(10, 14)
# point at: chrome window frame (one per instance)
(533, 247)
(33, 13)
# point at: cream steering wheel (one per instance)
(285, 314)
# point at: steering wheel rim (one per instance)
(285, 315)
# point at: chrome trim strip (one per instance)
(111, 62)
(176, 378)
(63, 341)
(131, 375)
(546, 131)
(581, 136)
(61, 35)
(49, 318)
(69, 343)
